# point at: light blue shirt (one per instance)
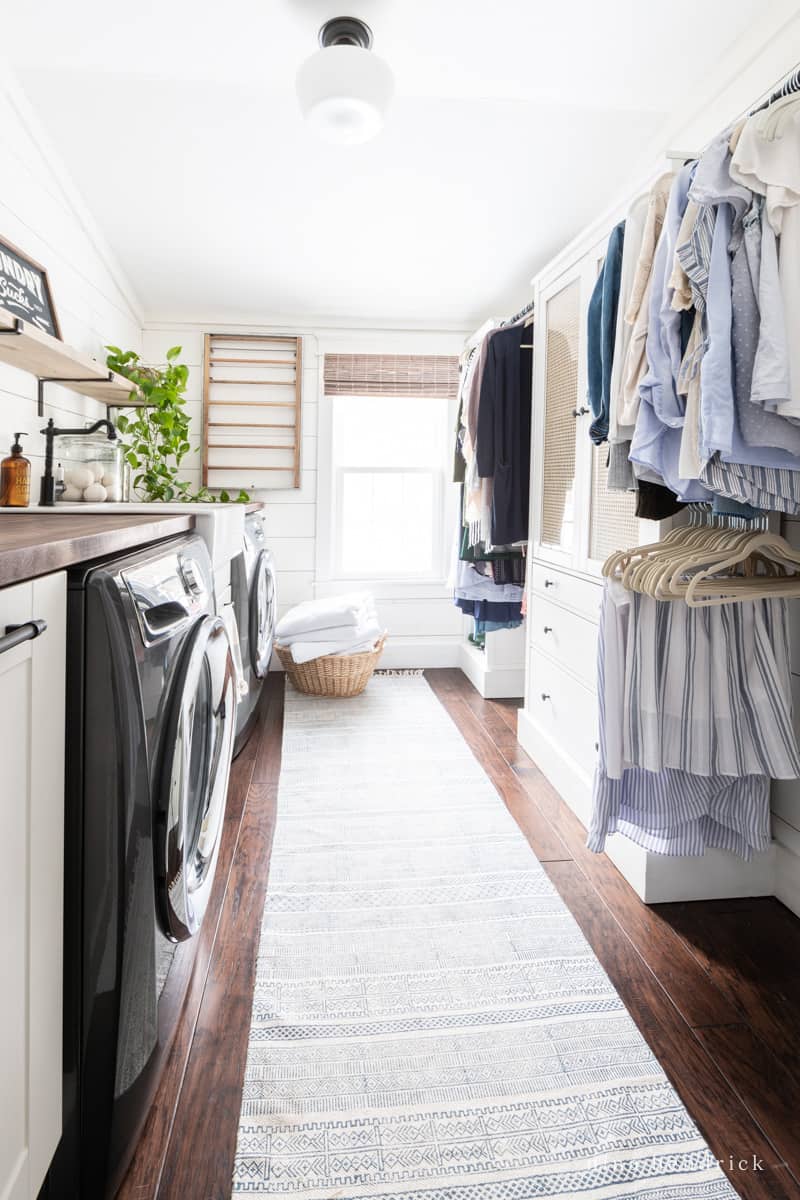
(656, 443)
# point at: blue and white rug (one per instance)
(429, 1023)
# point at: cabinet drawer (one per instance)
(564, 709)
(576, 592)
(564, 636)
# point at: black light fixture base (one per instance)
(345, 31)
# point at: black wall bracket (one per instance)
(67, 382)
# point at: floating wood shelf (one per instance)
(24, 346)
(225, 354)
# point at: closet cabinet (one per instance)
(31, 883)
(576, 522)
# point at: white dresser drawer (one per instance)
(564, 709)
(565, 636)
(575, 591)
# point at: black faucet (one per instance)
(47, 495)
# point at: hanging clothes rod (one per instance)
(523, 312)
(789, 85)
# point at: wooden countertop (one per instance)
(32, 544)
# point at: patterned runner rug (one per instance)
(429, 1022)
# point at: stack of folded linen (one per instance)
(339, 625)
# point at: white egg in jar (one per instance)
(79, 477)
(95, 493)
(97, 469)
(71, 493)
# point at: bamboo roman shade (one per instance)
(391, 375)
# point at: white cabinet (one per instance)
(31, 884)
(576, 522)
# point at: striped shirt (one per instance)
(774, 488)
(695, 718)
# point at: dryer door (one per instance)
(192, 781)
(262, 614)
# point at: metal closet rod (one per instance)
(789, 85)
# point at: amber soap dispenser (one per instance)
(15, 477)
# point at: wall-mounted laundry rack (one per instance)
(252, 399)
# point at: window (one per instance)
(389, 462)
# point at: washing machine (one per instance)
(255, 606)
(150, 728)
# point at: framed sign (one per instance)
(25, 290)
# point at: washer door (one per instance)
(192, 781)
(262, 614)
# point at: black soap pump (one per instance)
(15, 477)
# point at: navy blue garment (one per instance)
(601, 332)
(491, 610)
(504, 431)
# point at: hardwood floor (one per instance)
(713, 986)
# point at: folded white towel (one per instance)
(363, 637)
(336, 633)
(330, 613)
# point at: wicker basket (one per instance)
(333, 674)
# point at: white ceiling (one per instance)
(513, 124)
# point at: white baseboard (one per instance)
(716, 875)
(402, 652)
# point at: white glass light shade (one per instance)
(344, 92)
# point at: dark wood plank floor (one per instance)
(713, 986)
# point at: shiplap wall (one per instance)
(425, 629)
(41, 214)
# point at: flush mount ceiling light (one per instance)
(344, 89)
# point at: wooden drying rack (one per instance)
(225, 356)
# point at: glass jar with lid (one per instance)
(92, 469)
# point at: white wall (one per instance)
(41, 214)
(425, 627)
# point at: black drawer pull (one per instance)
(549, 583)
(580, 412)
(545, 695)
(15, 635)
(547, 629)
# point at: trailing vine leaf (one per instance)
(156, 435)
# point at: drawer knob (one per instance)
(547, 629)
(580, 412)
(549, 583)
(545, 695)
(597, 747)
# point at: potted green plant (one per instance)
(155, 438)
